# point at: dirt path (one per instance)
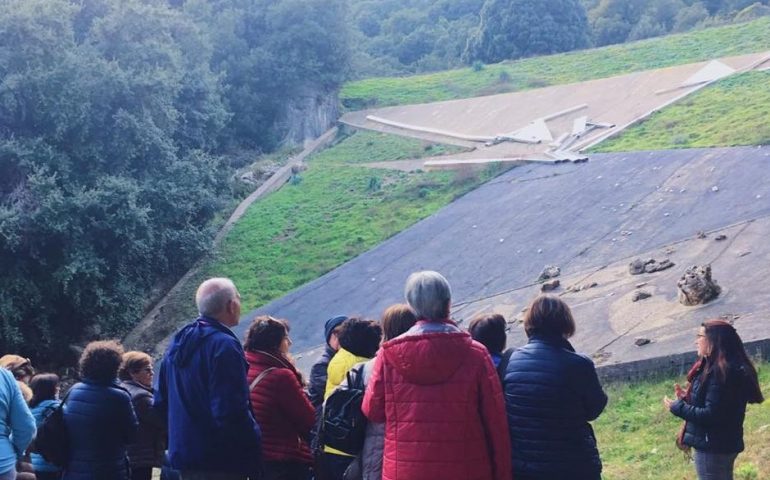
(144, 335)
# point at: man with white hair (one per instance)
(201, 391)
(439, 396)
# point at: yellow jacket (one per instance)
(338, 368)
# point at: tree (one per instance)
(519, 28)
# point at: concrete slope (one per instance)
(582, 217)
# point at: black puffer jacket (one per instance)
(714, 416)
(551, 393)
(150, 445)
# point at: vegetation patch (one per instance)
(636, 435)
(560, 69)
(728, 113)
(339, 210)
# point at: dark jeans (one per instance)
(48, 475)
(286, 471)
(714, 466)
(334, 466)
(141, 473)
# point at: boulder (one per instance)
(696, 286)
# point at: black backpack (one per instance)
(52, 441)
(503, 365)
(344, 425)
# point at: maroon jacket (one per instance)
(281, 408)
(441, 401)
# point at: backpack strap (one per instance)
(259, 378)
(503, 365)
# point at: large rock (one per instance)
(696, 286)
(549, 271)
(638, 266)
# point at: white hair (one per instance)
(429, 294)
(213, 294)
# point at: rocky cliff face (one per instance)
(307, 115)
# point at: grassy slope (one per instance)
(563, 68)
(734, 111)
(336, 212)
(636, 436)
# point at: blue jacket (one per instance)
(715, 412)
(41, 412)
(17, 426)
(551, 393)
(202, 393)
(100, 424)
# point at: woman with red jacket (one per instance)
(281, 408)
(439, 396)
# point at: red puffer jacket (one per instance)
(282, 410)
(440, 398)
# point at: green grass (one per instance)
(732, 112)
(562, 68)
(338, 209)
(636, 435)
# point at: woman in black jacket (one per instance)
(551, 393)
(99, 417)
(721, 383)
(136, 375)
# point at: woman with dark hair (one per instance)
(489, 330)
(100, 419)
(45, 399)
(147, 452)
(713, 405)
(359, 340)
(551, 393)
(281, 408)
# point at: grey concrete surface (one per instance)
(590, 219)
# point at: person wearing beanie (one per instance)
(318, 372)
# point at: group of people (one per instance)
(440, 402)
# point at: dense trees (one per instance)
(522, 28)
(115, 116)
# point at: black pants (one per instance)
(141, 473)
(48, 475)
(286, 471)
(334, 466)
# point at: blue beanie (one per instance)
(331, 324)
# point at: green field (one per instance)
(337, 209)
(559, 69)
(732, 112)
(636, 436)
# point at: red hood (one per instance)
(428, 358)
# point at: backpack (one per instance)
(52, 441)
(344, 425)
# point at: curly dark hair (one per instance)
(360, 337)
(265, 333)
(100, 361)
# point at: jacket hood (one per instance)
(188, 340)
(428, 358)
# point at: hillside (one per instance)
(559, 69)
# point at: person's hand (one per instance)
(679, 391)
(667, 402)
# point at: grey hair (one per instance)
(429, 295)
(213, 294)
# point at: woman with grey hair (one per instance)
(448, 419)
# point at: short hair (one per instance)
(133, 362)
(100, 361)
(213, 294)
(20, 366)
(429, 295)
(549, 315)
(489, 330)
(265, 333)
(360, 337)
(43, 387)
(397, 319)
